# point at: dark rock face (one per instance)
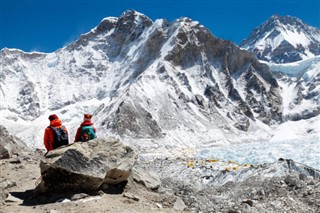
(135, 121)
(106, 25)
(29, 100)
(236, 65)
(86, 166)
(284, 52)
(128, 28)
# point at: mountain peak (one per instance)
(283, 39)
(132, 14)
(284, 18)
(128, 18)
(132, 20)
(279, 21)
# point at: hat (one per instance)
(53, 117)
(87, 117)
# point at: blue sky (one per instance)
(47, 25)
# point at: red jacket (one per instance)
(78, 134)
(48, 138)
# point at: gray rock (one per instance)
(179, 205)
(151, 181)
(292, 181)
(5, 184)
(131, 196)
(79, 196)
(311, 182)
(9, 145)
(86, 166)
(5, 152)
(249, 202)
(159, 205)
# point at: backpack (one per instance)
(87, 133)
(60, 136)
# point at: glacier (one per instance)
(303, 150)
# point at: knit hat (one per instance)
(53, 117)
(87, 117)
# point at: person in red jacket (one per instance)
(50, 137)
(86, 131)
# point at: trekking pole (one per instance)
(46, 154)
(38, 181)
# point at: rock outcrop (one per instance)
(86, 166)
(151, 181)
(9, 144)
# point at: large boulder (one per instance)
(151, 181)
(87, 166)
(9, 144)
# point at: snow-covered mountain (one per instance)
(300, 84)
(283, 39)
(143, 80)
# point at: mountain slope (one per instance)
(283, 39)
(143, 79)
(300, 85)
